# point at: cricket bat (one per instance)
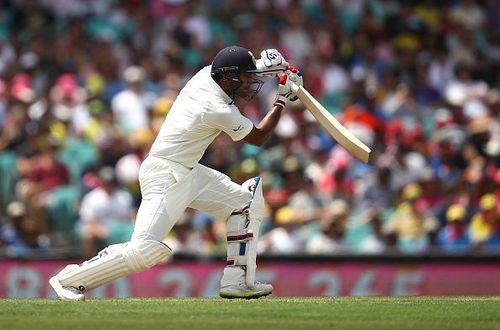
(345, 138)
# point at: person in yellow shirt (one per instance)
(485, 225)
(413, 227)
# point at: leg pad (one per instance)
(116, 261)
(243, 231)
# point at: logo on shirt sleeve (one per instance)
(238, 129)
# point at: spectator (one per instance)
(69, 103)
(417, 81)
(14, 134)
(331, 238)
(131, 106)
(376, 242)
(320, 172)
(106, 214)
(282, 238)
(485, 224)
(43, 172)
(413, 227)
(40, 174)
(20, 236)
(186, 240)
(453, 237)
(375, 190)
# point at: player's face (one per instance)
(246, 82)
(250, 85)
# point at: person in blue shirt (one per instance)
(454, 237)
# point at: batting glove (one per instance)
(284, 90)
(271, 61)
(295, 76)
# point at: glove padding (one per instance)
(285, 80)
(271, 61)
(294, 76)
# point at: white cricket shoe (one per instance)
(242, 290)
(66, 293)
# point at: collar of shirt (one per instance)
(219, 89)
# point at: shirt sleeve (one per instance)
(228, 119)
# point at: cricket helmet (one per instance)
(234, 58)
(229, 63)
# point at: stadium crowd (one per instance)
(86, 85)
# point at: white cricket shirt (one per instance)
(200, 112)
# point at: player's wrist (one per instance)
(280, 101)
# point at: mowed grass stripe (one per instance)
(275, 313)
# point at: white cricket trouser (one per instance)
(168, 188)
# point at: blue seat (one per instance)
(8, 177)
(62, 210)
(76, 156)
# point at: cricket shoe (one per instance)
(67, 293)
(243, 291)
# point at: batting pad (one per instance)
(243, 231)
(116, 261)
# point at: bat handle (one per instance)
(272, 72)
(294, 86)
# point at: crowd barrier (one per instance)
(365, 276)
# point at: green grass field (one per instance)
(273, 313)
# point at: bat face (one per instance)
(345, 138)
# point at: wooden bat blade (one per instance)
(345, 138)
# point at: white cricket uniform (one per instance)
(171, 178)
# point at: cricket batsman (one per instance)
(171, 178)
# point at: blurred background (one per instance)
(86, 85)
